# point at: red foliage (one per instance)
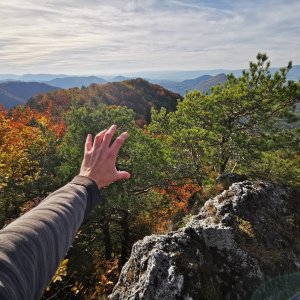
(179, 195)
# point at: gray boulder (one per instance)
(244, 243)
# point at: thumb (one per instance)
(123, 175)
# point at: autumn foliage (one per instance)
(27, 142)
(174, 160)
(178, 196)
(137, 94)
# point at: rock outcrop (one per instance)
(244, 243)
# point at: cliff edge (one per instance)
(244, 244)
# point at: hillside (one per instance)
(202, 83)
(205, 86)
(198, 80)
(17, 92)
(137, 94)
(75, 81)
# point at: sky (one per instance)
(114, 37)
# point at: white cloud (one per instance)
(90, 36)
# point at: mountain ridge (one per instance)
(172, 75)
(202, 83)
(75, 81)
(14, 93)
(137, 94)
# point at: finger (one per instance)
(123, 175)
(108, 136)
(88, 143)
(116, 146)
(99, 139)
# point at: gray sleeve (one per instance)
(32, 246)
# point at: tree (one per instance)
(28, 158)
(112, 227)
(229, 128)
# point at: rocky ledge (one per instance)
(244, 244)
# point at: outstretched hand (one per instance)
(99, 162)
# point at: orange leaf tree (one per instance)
(28, 142)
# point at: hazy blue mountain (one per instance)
(174, 86)
(76, 81)
(153, 76)
(195, 81)
(205, 86)
(17, 92)
(6, 77)
(167, 77)
(173, 75)
(294, 74)
(202, 83)
(6, 80)
(119, 78)
(40, 77)
(178, 75)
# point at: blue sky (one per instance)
(114, 36)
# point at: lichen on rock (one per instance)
(235, 248)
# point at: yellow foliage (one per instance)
(107, 273)
(61, 271)
(77, 287)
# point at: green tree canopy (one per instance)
(235, 124)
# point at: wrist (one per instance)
(87, 174)
(94, 196)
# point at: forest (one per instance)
(174, 152)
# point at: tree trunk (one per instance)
(223, 165)
(107, 239)
(125, 243)
(223, 157)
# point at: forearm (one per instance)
(32, 247)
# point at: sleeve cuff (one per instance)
(94, 195)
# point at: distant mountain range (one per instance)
(15, 89)
(75, 81)
(17, 92)
(31, 77)
(206, 85)
(202, 83)
(294, 74)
